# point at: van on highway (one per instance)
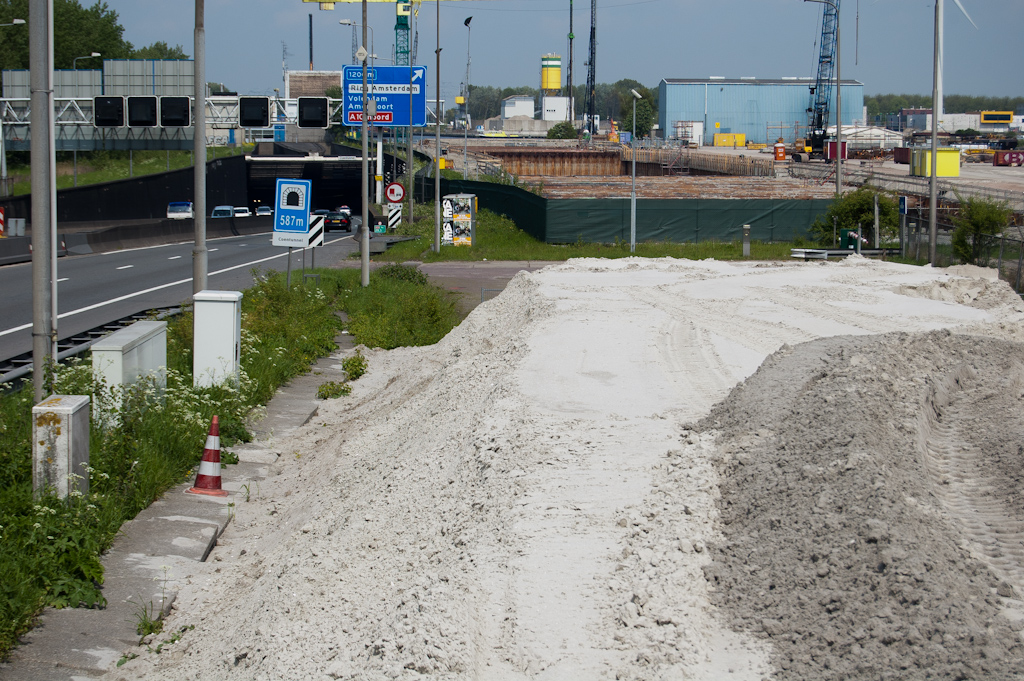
(223, 212)
(180, 210)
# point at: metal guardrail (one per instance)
(19, 366)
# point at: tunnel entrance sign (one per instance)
(292, 225)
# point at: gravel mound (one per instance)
(870, 515)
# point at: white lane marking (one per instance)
(211, 250)
(62, 279)
(158, 288)
(174, 257)
(125, 267)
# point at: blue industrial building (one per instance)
(761, 109)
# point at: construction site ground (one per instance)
(643, 469)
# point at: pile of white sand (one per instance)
(536, 496)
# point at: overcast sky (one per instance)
(642, 39)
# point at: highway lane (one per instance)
(96, 288)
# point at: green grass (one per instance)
(95, 167)
(498, 238)
(50, 548)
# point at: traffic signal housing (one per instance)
(175, 112)
(142, 112)
(254, 112)
(314, 112)
(108, 112)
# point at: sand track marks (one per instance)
(968, 480)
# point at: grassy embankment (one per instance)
(50, 548)
(106, 166)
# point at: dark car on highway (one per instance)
(336, 220)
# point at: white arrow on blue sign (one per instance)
(389, 85)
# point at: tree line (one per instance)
(881, 105)
(77, 31)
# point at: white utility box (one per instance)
(134, 352)
(216, 338)
(60, 444)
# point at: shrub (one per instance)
(857, 208)
(562, 131)
(978, 224)
(354, 366)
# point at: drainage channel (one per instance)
(20, 366)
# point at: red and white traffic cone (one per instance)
(208, 479)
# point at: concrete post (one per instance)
(60, 445)
(746, 241)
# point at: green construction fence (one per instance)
(605, 220)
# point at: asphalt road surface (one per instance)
(98, 288)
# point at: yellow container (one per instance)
(730, 139)
(947, 165)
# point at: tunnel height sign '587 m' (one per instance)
(292, 224)
(389, 85)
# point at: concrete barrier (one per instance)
(14, 249)
(83, 238)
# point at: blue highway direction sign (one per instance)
(389, 85)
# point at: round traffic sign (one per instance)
(395, 192)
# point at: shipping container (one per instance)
(1008, 158)
(947, 163)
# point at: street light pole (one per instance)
(632, 193)
(74, 62)
(364, 241)
(41, 89)
(933, 226)
(200, 254)
(437, 137)
(465, 136)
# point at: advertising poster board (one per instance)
(458, 218)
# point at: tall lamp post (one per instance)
(437, 137)
(365, 239)
(632, 193)
(465, 136)
(3, 148)
(74, 62)
(839, 99)
(348, 22)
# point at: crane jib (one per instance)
(821, 95)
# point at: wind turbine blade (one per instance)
(965, 13)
